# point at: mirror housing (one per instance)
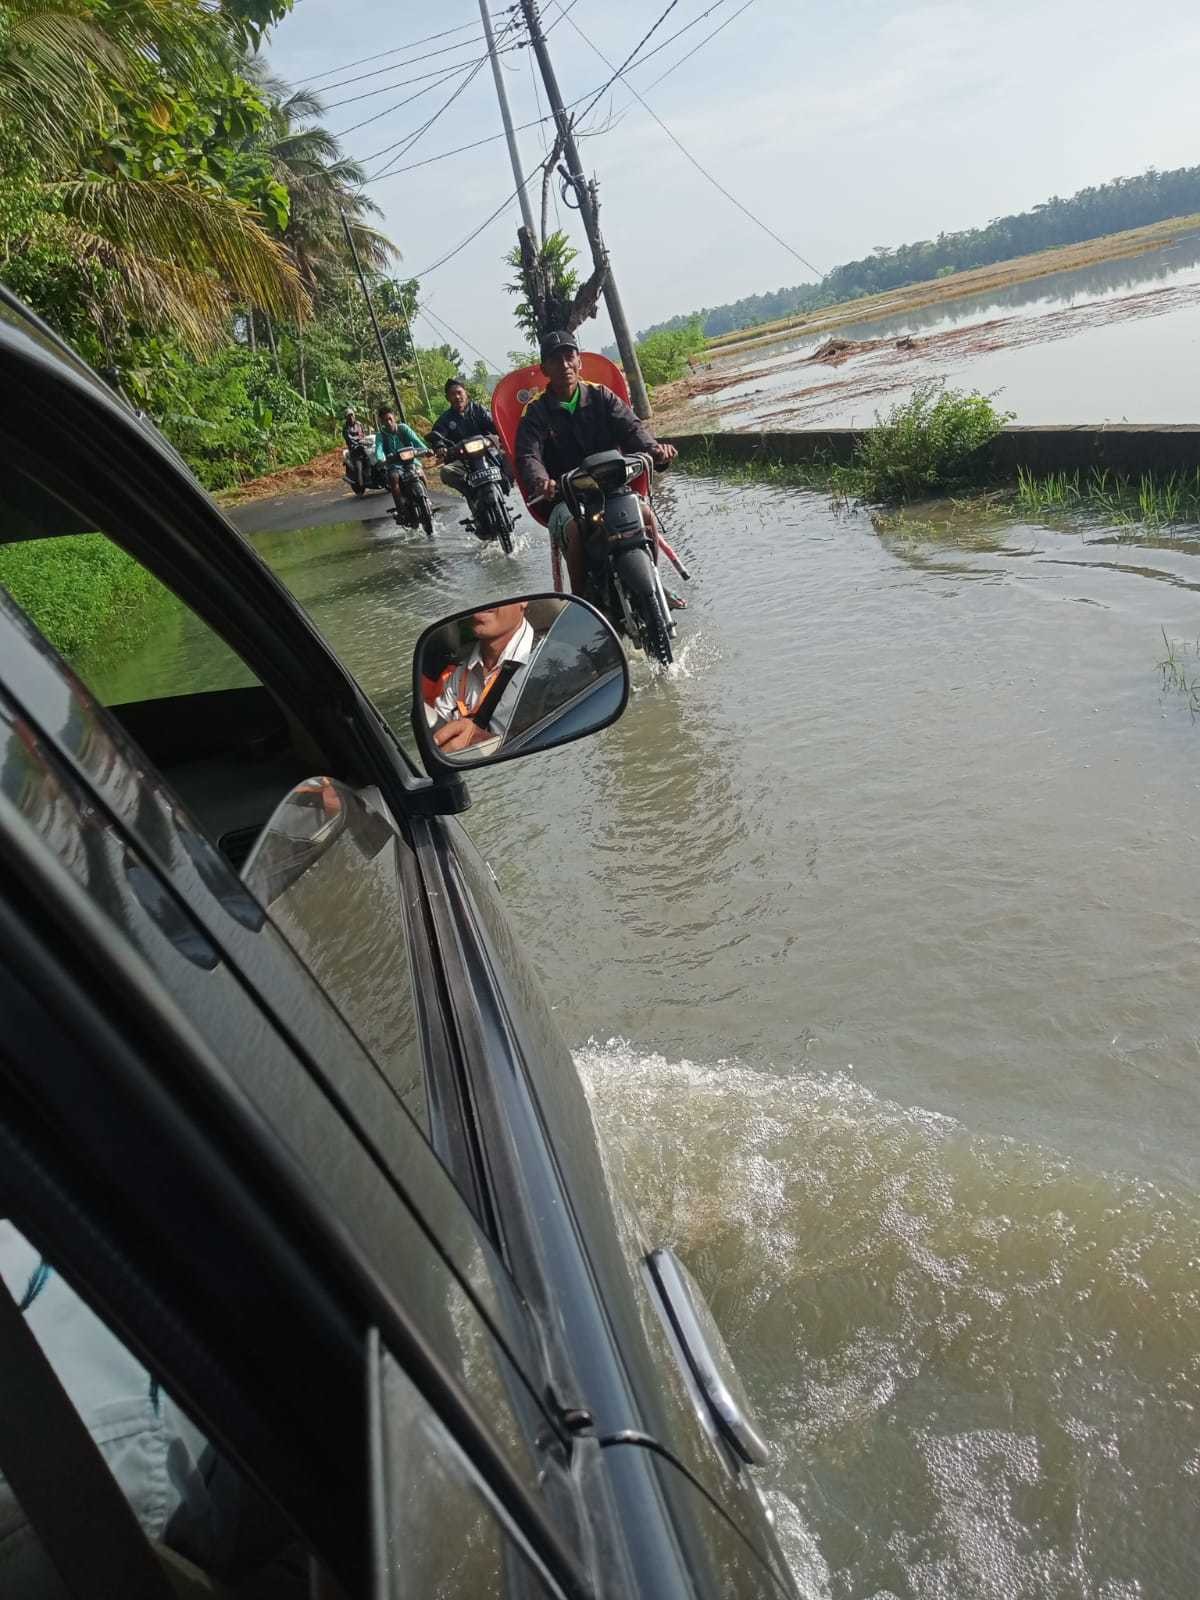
(514, 677)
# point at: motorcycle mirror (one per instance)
(513, 677)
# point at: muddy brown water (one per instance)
(873, 925)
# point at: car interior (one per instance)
(230, 753)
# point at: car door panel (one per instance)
(381, 1199)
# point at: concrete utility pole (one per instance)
(612, 297)
(514, 155)
(374, 322)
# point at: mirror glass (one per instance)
(514, 677)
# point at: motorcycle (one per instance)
(415, 508)
(486, 491)
(360, 468)
(622, 572)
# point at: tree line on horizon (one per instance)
(1105, 208)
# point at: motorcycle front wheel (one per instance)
(499, 521)
(359, 488)
(636, 572)
(425, 512)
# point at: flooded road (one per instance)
(1116, 341)
(873, 926)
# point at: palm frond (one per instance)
(145, 289)
(195, 230)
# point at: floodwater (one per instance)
(1119, 341)
(873, 925)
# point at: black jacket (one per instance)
(451, 429)
(550, 441)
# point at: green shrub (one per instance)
(663, 357)
(926, 443)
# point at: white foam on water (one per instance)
(977, 1356)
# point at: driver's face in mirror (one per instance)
(481, 679)
(512, 678)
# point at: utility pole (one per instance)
(612, 297)
(514, 155)
(374, 322)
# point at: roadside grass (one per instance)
(83, 592)
(932, 446)
(924, 446)
(1180, 670)
(1149, 501)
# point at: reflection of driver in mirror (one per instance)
(477, 697)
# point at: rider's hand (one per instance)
(458, 735)
(664, 453)
(549, 489)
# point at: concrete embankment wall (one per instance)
(1127, 448)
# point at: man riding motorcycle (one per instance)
(567, 422)
(353, 431)
(463, 419)
(390, 438)
(355, 437)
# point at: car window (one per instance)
(203, 1519)
(422, 1486)
(327, 867)
(234, 756)
(123, 631)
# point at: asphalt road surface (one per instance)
(317, 508)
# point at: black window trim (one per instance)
(63, 950)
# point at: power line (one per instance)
(441, 73)
(436, 322)
(387, 110)
(699, 46)
(758, 222)
(425, 126)
(674, 67)
(523, 127)
(382, 72)
(380, 55)
(487, 221)
(616, 71)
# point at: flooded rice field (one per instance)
(1117, 341)
(873, 925)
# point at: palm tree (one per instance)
(171, 253)
(325, 184)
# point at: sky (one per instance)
(841, 124)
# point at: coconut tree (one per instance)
(160, 245)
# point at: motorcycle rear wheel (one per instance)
(636, 571)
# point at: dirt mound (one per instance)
(315, 474)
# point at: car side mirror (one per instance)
(514, 677)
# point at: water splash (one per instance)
(978, 1359)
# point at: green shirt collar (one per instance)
(572, 405)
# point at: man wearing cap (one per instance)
(569, 420)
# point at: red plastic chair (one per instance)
(515, 391)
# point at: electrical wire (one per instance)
(757, 221)
(380, 55)
(487, 221)
(440, 73)
(408, 142)
(617, 71)
(435, 322)
(522, 127)
(382, 72)
(387, 110)
(703, 15)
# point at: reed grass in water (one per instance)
(1180, 670)
(1149, 501)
